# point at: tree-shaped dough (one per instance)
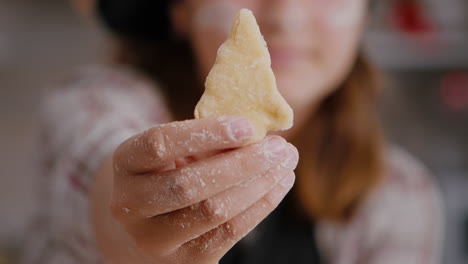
(242, 82)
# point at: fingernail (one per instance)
(288, 180)
(274, 148)
(292, 157)
(240, 129)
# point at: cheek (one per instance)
(320, 76)
(341, 35)
(336, 50)
(340, 55)
(214, 16)
(211, 23)
(344, 15)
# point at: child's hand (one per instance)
(186, 192)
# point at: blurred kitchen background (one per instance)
(422, 46)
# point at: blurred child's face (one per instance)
(313, 43)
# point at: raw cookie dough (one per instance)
(242, 82)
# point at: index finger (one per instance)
(158, 146)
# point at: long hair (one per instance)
(340, 146)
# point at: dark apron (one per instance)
(283, 237)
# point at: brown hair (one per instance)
(340, 146)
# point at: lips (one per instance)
(285, 57)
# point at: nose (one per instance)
(284, 15)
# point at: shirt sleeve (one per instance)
(81, 122)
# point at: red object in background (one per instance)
(454, 90)
(409, 17)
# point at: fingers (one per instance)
(211, 246)
(200, 218)
(173, 190)
(154, 148)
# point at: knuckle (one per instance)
(118, 156)
(117, 167)
(181, 189)
(214, 210)
(230, 231)
(154, 142)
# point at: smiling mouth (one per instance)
(284, 57)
